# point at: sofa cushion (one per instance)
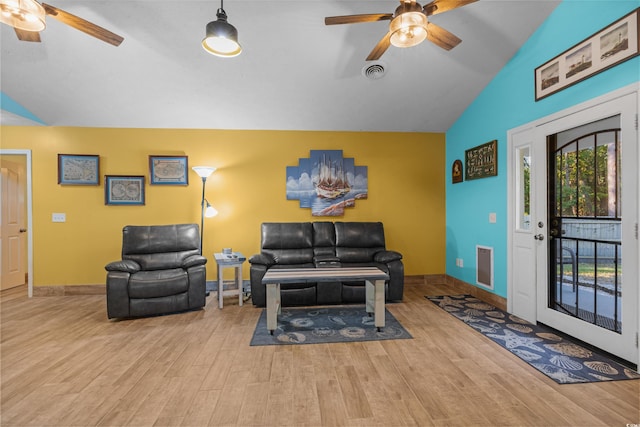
(359, 234)
(292, 235)
(155, 284)
(158, 247)
(291, 256)
(151, 306)
(358, 241)
(288, 243)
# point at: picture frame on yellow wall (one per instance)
(168, 170)
(124, 190)
(78, 169)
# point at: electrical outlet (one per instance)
(459, 262)
(58, 217)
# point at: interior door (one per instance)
(12, 228)
(586, 245)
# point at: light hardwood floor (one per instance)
(64, 364)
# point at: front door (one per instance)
(587, 281)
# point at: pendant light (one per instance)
(409, 27)
(221, 38)
(26, 15)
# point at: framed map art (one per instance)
(78, 169)
(123, 190)
(168, 170)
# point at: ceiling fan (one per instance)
(27, 17)
(409, 25)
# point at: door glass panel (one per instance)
(585, 279)
(524, 188)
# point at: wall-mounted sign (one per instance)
(481, 161)
(456, 171)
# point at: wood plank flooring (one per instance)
(64, 364)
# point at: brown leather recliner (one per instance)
(162, 271)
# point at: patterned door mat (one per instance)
(560, 359)
(326, 324)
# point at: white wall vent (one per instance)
(484, 266)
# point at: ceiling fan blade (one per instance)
(354, 19)
(380, 48)
(439, 6)
(27, 36)
(83, 25)
(441, 37)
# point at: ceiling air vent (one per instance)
(374, 71)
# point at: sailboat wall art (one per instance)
(327, 183)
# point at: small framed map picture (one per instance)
(78, 169)
(123, 190)
(168, 170)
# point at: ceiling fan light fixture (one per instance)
(221, 37)
(27, 15)
(408, 29)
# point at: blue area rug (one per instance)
(312, 325)
(558, 358)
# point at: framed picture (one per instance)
(481, 161)
(169, 170)
(610, 46)
(456, 171)
(78, 169)
(123, 190)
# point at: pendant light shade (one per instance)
(221, 38)
(408, 29)
(27, 15)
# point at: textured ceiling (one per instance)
(294, 73)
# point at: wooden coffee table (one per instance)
(374, 279)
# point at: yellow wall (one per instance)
(406, 191)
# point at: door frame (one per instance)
(511, 174)
(29, 198)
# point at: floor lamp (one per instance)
(207, 210)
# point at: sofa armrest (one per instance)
(262, 259)
(258, 290)
(193, 261)
(125, 265)
(387, 256)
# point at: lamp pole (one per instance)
(203, 172)
(204, 183)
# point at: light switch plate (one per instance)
(492, 217)
(58, 217)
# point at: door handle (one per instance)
(23, 230)
(539, 236)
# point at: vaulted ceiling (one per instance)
(295, 73)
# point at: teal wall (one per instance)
(508, 102)
(9, 104)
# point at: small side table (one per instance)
(234, 260)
